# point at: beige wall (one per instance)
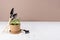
(31, 9)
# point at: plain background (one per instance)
(31, 10)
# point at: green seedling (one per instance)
(15, 22)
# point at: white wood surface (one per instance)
(38, 31)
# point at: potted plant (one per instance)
(14, 22)
(15, 25)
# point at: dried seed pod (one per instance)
(26, 31)
(14, 16)
(11, 13)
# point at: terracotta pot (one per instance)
(15, 28)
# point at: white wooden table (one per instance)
(38, 31)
